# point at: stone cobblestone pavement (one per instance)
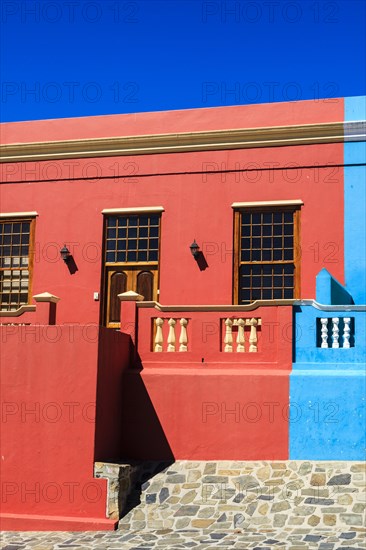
(266, 539)
(288, 505)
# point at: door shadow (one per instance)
(128, 428)
(145, 471)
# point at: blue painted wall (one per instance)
(327, 415)
(329, 291)
(327, 389)
(307, 351)
(354, 205)
(328, 386)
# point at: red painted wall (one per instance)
(232, 406)
(197, 205)
(206, 414)
(48, 400)
(176, 410)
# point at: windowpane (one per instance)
(264, 282)
(142, 256)
(266, 257)
(277, 255)
(14, 264)
(132, 232)
(128, 238)
(131, 256)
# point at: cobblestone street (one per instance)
(267, 539)
(244, 505)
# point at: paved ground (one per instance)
(268, 539)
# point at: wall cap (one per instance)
(130, 296)
(218, 308)
(324, 307)
(18, 312)
(46, 297)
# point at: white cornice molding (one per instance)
(295, 202)
(8, 215)
(244, 138)
(136, 210)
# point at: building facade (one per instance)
(179, 285)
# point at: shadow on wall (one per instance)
(127, 425)
(146, 438)
(128, 430)
(145, 472)
(329, 291)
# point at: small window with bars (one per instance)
(16, 240)
(132, 239)
(267, 264)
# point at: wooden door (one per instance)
(141, 280)
(130, 260)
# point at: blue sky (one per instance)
(68, 58)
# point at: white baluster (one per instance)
(228, 340)
(253, 335)
(324, 332)
(240, 339)
(171, 335)
(183, 338)
(346, 332)
(159, 334)
(335, 332)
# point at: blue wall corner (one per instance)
(354, 205)
(327, 416)
(330, 291)
(355, 108)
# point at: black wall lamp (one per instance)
(65, 253)
(195, 249)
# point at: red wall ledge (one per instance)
(15, 522)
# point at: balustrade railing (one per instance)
(182, 335)
(171, 341)
(330, 329)
(240, 340)
(175, 336)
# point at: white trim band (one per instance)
(296, 202)
(136, 210)
(19, 215)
